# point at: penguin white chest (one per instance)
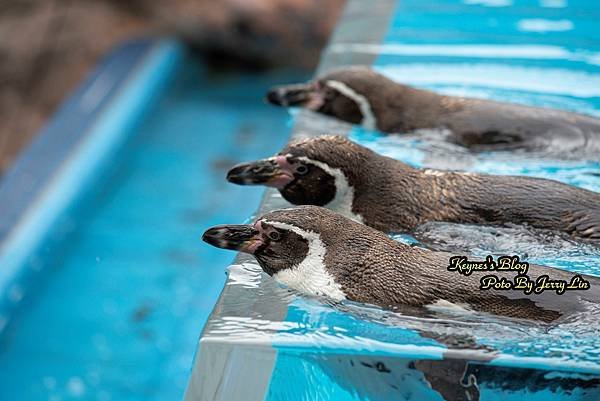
(310, 276)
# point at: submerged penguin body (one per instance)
(391, 196)
(359, 95)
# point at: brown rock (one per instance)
(47, 47)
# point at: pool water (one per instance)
(124, 297)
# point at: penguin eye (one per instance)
(274, 235)
(302, 169)
(331, 94)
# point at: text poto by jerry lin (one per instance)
(495, 275)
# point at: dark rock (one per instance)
(46, 48)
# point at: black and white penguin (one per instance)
(391, 196)
(359, 95)
(321, 253)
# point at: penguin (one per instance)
(359, 95)
(318, 252)
(393, 197)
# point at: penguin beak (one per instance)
(303, 95)
(273, 172)
(238, 237)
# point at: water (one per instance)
(542, 53)
(125, 296)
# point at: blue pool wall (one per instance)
(40, 189)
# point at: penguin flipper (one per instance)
(491, 140)
(585, 225)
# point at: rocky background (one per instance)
(47, 46)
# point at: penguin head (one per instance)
(304, 247)
(320, 171)
(282, 239)
(276, 246)
(346, 94)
